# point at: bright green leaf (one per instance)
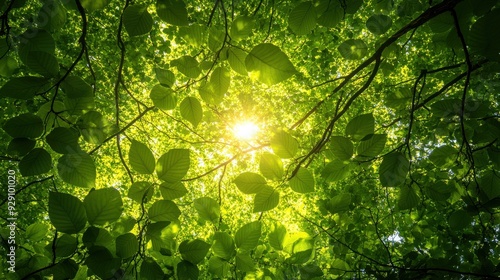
(284, 145)
(194, 251)
(266, 199)
(191, 110)
(207, 208)
(223, 245)
(303, 181)
(163, 97)
(302, 18)
(172, 11)
(271, 166)
(137, 20)
(77, 169)
(360, 126)
(247, 237)
(173, 165)
(268, 64)
(164, 210)
(341, 147)
(249, 183)
(141, 158)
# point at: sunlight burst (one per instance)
(245, 130)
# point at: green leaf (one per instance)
(65, 246)
(284, 145)
(77, 169)
(188, 66)
(218, 267)
(64, 140)
(65, 269)
(207, 208)
(268, 64)
(164, 210)
(66, 213)
(194, 251)
(341, 147)
(194, 35)
(42, 63)
(93, 5)
(94, 127)
(303, 181)
(103, 206)
(165, 77)
(220, 80)
(98, 237)
(330, 13)
(8, 66)
(37, 161)
(137, 20)
(490, 184)
(126, 245)
(244, 262)
(79, 95)
(150, 269)
(172, 11)
(173, 165)
(483, 34)
(191, 110)
(339, 203)
(271, 166)
(223, 245)
(408, 199)
(20, 146)
(439, 191)
(335, 171)
(24, 126)
(187, 271)
(140, 189)
(101, 261)
(141, 158)
(163, 97)
(236, 58)
(249, 183)
(266, 199)
(302, 18)
(172, 190)
(35, 40)
(302, 250)
(443, 156)
(360, 126)
(24, 88)
(459, 219)
(353, 49)
(310, 271)
(216, 39)
(372, 146)
(53, 14)
(241, 27)
(276, 237)
(393, 169)
(247, 237)
(36, 232)
(379, 24)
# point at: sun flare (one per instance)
(245, 130)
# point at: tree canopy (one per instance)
(258, 139)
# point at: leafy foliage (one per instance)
(373, 154)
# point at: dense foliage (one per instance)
(270, 139)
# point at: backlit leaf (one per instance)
(223, 246)
(353, 49)
(77, 169)
(126, 245)
(303, 181)
(103, 206)
(378, 24)
(372, 146)
(302, 18)
(207, 208)
(268, 64)
(172, 190)
(341, 147)
(24, 126)
(241, 27)
(23, 88)
(163, 97)
(247, 237)
(271, 166)
(66, 212)
(173, 165)
(266, 199)
(194, 251)
(191, 110)
(172, 11)
(137, 20)
(37, 161)
(164, 210)
(249, 183)
(284, 145)
(408, 198)
(393, 169)
(141, 158)
(360, 126)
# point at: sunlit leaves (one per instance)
(94, 127)
(360, 126)
(268, 64)
(77, 169)
(36, 232)
(191, 110)
(330, 13)
(244, 262)
(140, 190)
(223, 245)
(266, 199)
(207, 208)
(372, 145)
(92, 5)
(236, 58)
(379, 24)
(141, 158)
(339, 203)
(284, 145)
(249, 183)
(137, 20)
(302, 18)
(303, 181)
(194, 34)
(277, 236)
(218, 266)
(187, 65)
(172, 190)
(353, 49)
(165, 77)
(66, 212)
(220, 80)
(103, 206)
(126, 245)
(335, 171)
(24, 126)
(247, 237)
(65, 245)
(8, 66)
(36, 162)
(23, 88)
(271, 166)
(393, 169)
(163, 97)
(79, 95)
(341, 147)
(164, 210)
(172, 11)
(241, 27)
(173, 165)
(194, 251)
